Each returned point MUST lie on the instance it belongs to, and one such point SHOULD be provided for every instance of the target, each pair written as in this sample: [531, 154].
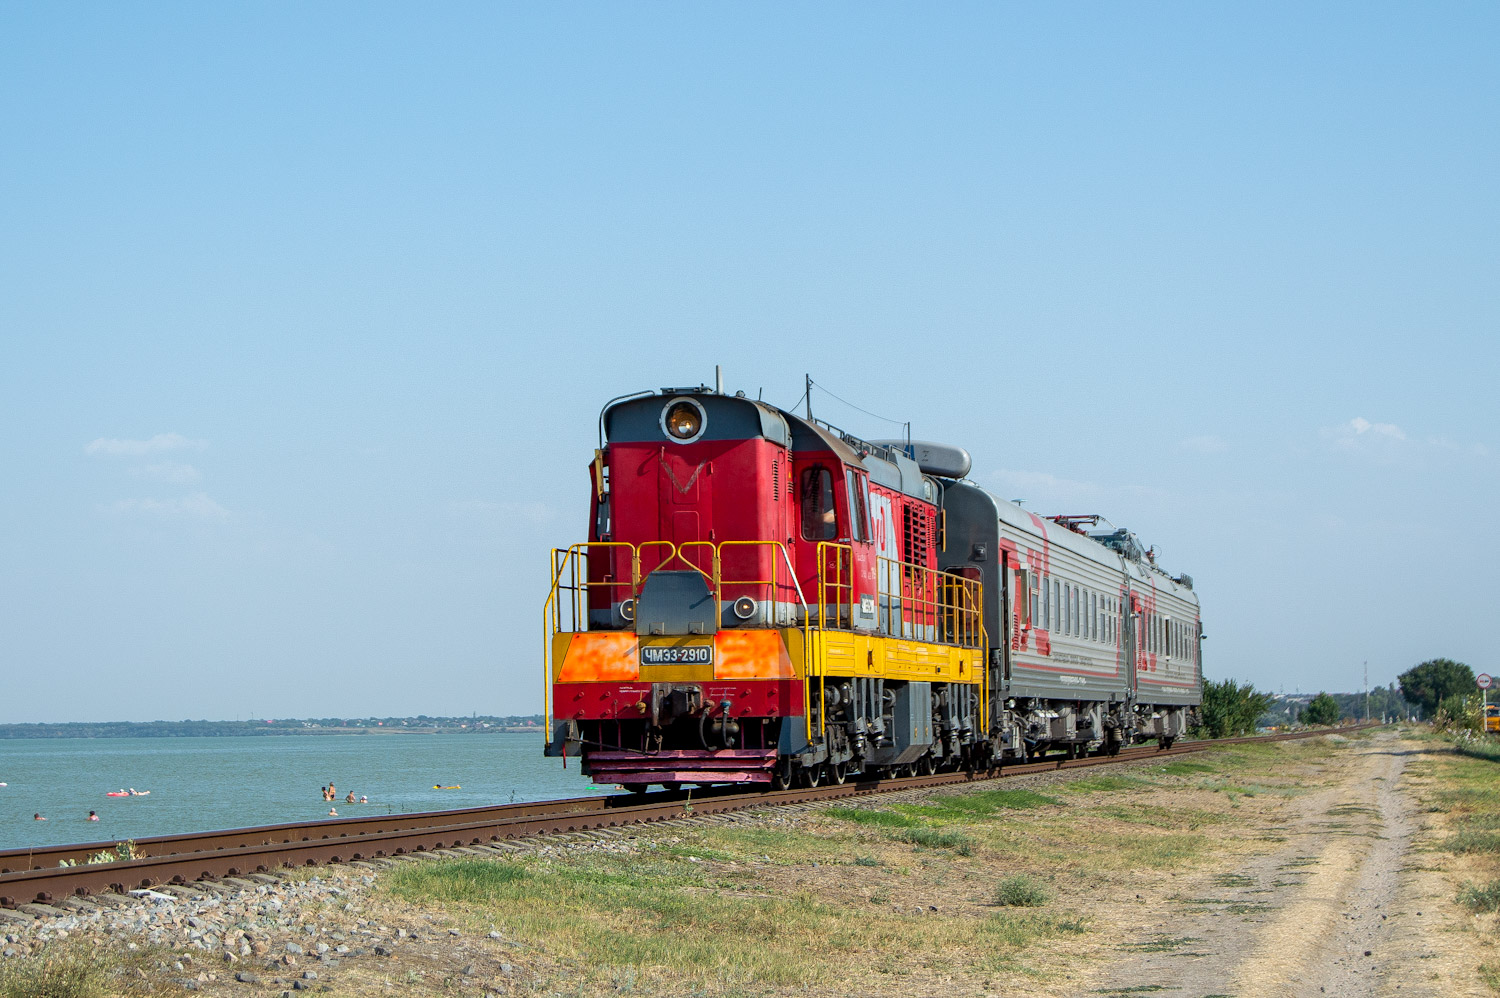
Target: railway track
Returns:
[31, 876]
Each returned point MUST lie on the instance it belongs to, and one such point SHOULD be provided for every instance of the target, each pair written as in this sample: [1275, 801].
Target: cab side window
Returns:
[819, 520]
[857, 488]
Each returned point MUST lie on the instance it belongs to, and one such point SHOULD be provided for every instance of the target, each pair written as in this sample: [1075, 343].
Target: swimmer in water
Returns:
[363, 799]
[38, 817]
[333, 812]
[93, 816]
[350, 798]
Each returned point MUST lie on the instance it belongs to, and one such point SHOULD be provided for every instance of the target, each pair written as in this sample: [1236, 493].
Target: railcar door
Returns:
[1130, 618]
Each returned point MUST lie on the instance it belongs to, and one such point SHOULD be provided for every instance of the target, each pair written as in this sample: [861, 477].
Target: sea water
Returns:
[198, 784]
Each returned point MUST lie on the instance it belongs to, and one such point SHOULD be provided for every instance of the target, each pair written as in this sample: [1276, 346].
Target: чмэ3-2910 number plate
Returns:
[677, 655]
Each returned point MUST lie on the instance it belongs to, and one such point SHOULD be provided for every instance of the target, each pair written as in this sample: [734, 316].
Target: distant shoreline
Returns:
[268, 728]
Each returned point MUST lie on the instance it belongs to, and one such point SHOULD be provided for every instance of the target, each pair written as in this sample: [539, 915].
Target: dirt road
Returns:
[1336, 901]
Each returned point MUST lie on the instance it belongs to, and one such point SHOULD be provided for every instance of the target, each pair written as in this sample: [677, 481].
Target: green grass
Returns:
[1186, 767]
[1488, 751]
[938, 838]
[1468, 840]
[642, 913]
[1481, 898]
[872, 816]
[1017, 929]
[1106, 783]
[1022, 891]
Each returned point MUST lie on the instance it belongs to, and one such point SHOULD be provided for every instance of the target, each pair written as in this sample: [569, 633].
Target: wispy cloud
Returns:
[1206, 444]
[159, 444]
[194, 506]
[168, 471]
[1361, 434]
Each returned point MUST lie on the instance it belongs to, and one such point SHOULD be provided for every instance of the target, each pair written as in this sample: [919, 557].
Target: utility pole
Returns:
[1367, 690]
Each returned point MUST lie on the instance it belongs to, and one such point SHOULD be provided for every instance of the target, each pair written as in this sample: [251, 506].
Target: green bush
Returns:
[1322, 710]
[1459, 713]
[1021, 891]
[1229, 709]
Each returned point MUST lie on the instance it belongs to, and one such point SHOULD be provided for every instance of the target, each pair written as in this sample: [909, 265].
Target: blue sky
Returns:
[307, 313]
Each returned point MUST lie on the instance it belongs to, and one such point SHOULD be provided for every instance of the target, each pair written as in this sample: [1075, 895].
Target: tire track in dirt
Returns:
[1321, 913]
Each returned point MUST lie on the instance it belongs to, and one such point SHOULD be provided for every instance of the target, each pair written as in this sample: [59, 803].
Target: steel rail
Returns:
[212, 856]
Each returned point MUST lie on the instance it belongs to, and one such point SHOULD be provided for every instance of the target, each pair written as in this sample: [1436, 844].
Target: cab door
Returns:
[820, 564]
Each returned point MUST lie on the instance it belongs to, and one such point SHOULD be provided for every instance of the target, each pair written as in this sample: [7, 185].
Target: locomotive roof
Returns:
[732, 417]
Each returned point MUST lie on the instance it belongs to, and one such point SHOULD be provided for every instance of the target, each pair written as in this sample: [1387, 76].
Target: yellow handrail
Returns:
[565, 559]
[915, 597]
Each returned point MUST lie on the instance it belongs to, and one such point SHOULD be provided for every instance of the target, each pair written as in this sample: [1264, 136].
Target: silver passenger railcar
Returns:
[1092, 645]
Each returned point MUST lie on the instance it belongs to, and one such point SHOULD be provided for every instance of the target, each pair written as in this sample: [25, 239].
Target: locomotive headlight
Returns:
[682, 420]
[744, 607]
[627, 609]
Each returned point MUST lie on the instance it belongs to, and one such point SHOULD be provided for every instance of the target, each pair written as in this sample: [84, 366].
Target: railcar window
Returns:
[818, 516]
[1057, 610]
[1077, 621]
[1067, 622]
[1093, 617]
[1031, 598]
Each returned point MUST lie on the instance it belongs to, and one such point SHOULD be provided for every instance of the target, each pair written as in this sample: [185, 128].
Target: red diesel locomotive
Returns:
[763, 599]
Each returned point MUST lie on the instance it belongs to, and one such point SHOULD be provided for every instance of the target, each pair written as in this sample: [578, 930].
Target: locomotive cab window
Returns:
[857, 487]
[819, 519]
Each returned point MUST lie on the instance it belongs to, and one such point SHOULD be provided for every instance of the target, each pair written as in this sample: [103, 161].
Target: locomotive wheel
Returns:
[838, 772]
[781, 775]
[811, 776]
[924, 765]
[1165, 743]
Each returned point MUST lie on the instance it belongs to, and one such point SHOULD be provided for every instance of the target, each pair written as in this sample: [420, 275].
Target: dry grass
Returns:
[78, 970]
[896, 898]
